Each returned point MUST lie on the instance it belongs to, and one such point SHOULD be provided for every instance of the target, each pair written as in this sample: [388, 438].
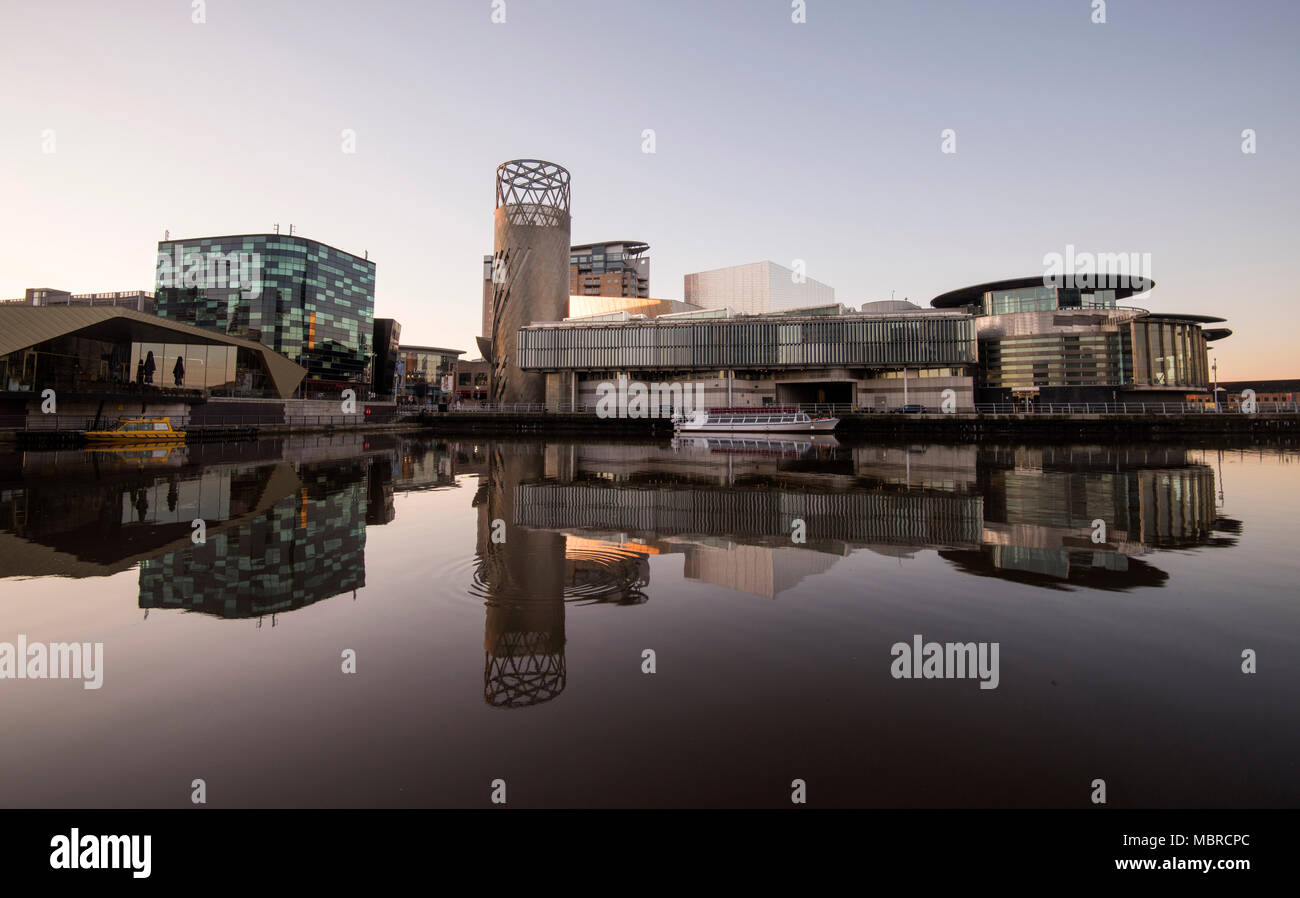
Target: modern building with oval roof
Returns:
[1061, 343]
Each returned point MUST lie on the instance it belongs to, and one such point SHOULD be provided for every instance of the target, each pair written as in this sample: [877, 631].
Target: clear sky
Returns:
[817, 141]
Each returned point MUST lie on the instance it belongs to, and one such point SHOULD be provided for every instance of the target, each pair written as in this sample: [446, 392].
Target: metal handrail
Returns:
[984, 408]
[74, 423]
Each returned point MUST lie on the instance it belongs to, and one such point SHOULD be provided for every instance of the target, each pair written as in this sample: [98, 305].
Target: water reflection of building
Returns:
[285, 519]
[308, 546]
[1044, 504]
[730, 508]
[521, 572]
[97, 517]
[1011, 513]
[526, 575]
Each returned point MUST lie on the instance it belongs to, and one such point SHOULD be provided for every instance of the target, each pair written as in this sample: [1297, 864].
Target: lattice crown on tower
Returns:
[536, 191]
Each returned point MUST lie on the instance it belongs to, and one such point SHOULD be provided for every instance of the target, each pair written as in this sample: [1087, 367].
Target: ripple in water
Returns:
[593, 572]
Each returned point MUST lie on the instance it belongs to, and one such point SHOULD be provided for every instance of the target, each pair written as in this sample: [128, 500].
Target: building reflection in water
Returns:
[526, 574]
[1021, 514]
[286, 521]
[1042, 504]
[307, 546]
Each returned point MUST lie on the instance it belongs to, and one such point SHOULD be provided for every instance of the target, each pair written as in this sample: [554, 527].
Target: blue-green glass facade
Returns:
[308, 301]
[1045, 299]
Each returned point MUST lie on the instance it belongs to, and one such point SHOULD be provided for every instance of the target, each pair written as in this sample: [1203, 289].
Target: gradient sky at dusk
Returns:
[774, 141]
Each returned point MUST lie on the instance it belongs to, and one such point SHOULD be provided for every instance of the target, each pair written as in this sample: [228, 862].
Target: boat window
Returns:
[160, 426]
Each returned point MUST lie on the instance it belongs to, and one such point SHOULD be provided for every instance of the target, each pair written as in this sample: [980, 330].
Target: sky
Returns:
[819, 141]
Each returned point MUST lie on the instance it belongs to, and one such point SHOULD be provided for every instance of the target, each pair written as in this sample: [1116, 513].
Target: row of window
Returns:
[749, 343]
[1146, 352]
[1045, 299]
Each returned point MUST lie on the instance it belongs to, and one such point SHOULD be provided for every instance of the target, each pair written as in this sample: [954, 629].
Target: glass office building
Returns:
[1142, 353]
[306, 300]
[1069, 344]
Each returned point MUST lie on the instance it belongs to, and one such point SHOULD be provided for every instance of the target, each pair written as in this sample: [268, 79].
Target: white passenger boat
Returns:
[773, 419]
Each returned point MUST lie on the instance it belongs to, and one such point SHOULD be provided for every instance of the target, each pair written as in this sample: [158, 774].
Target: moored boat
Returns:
[138, 431]
[773, 419]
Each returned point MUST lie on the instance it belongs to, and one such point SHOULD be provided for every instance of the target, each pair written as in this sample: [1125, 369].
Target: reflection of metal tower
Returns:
[530, 267]
[523, 577]
[524, 648]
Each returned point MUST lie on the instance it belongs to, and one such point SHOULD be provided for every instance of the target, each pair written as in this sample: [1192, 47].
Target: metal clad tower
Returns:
[530, 267]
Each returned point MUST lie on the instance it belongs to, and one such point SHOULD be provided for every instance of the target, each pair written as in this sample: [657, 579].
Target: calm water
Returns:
[522, 659]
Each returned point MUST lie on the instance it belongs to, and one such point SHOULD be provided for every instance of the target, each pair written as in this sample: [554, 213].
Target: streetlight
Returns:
[1215, 369]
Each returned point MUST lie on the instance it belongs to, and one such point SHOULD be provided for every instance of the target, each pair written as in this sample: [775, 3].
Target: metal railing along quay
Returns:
[840, 409]
[80, 423]
[76, 423]
[1130, 408]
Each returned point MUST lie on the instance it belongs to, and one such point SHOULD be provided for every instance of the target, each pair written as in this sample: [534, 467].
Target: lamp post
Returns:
[1215, 368]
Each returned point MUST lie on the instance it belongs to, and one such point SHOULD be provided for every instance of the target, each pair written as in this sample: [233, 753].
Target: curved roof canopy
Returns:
[969, 295]
[23, 326]
[1187, 316]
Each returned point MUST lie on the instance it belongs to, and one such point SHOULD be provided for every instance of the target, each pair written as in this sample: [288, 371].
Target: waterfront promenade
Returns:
[1120, 421]
[1140, 421]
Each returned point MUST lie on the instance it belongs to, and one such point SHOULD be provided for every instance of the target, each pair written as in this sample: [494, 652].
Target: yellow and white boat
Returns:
[138, 431]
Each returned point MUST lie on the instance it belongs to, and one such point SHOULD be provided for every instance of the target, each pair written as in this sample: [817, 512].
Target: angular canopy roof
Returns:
[23, 326]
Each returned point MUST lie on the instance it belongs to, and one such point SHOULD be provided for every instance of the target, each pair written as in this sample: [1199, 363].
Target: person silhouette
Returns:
[178, 371]
[150, 366]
